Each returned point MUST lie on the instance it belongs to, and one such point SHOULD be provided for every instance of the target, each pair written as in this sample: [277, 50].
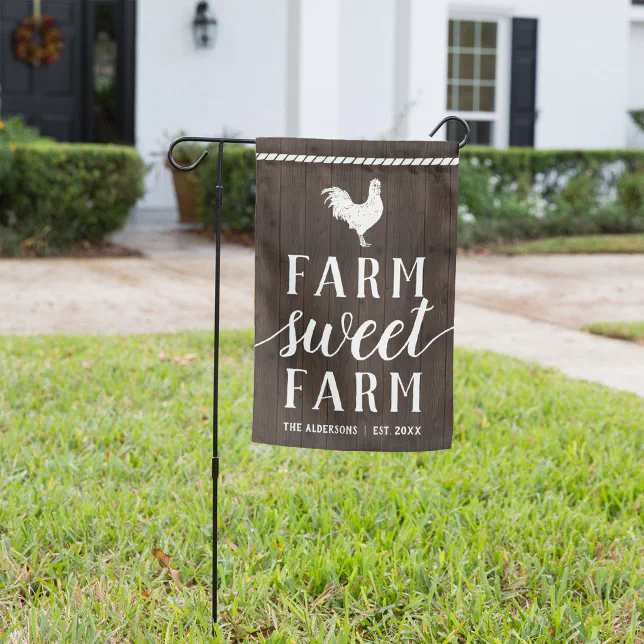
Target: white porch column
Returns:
[427, 66]
[319, 69]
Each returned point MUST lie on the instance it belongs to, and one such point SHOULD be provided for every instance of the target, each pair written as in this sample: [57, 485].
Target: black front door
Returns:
[88, 95]
[48, 97]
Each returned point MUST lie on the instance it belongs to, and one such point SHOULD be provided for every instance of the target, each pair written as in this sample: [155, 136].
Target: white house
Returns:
[551, 73]
[548, 73]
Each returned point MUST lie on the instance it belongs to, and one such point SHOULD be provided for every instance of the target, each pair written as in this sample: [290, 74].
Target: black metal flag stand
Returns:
[219, 201]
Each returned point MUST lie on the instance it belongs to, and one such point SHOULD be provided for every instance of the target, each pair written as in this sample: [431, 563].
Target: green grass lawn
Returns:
[569, 245]
[632, 331]
[530, 529]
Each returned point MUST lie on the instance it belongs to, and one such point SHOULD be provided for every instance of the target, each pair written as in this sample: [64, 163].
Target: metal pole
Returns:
[215, 393]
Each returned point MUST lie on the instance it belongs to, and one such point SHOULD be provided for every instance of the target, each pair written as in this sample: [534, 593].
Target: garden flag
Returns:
[354, 294]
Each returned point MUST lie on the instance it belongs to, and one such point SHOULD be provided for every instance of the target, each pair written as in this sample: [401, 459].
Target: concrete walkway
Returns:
[528, 307]
[161, 241]
[613, 363]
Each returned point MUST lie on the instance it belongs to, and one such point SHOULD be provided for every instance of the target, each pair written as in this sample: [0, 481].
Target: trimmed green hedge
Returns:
[53, 195]
[520, 193]
[504, 195]
[239, 187]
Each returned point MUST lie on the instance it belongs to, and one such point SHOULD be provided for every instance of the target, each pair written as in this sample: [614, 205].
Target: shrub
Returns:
[238, 211]
[630, 189]
[504, 195]
[53, 195]
[14, 130]
[638, 118]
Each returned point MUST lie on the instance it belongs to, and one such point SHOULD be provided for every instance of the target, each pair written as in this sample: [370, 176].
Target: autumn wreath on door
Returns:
[38, 41]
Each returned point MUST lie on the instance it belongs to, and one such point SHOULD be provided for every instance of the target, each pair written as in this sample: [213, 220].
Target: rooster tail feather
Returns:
[339, 201]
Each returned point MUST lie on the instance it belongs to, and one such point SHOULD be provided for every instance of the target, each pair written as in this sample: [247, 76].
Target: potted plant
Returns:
[185, 183]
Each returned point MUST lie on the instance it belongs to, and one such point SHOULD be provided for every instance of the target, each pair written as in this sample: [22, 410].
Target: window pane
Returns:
[471, 66]
[486, 99]
[467, 34]
[465, 98]
[488, 66]
[488, 34]
[466, 67]
[106, 126]
[451, 100]
[481, 132]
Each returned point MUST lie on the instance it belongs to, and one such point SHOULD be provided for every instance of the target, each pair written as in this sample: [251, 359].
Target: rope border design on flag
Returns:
[312, 158]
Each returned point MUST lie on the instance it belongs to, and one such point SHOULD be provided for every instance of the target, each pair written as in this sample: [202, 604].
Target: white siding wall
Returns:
[362, 63]
[356, 66]
[582, 67]
[582, 72]
[636, 85]
[239, 86]
[366, 74]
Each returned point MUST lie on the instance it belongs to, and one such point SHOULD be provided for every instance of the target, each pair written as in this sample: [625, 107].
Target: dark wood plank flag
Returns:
[354, 294]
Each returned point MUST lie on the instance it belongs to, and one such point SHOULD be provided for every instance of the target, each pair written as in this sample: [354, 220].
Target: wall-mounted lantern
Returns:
[204, 26]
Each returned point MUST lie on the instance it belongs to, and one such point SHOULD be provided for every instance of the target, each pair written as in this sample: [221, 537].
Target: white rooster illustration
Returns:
[359, 216]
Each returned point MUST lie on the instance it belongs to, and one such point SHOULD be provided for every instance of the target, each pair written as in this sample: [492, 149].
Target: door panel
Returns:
[71, 100]
[48, 97]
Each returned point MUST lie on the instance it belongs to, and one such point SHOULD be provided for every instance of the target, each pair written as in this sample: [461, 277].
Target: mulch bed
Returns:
[228, 236]
[82, 250]
[473, 251]
[248, 239]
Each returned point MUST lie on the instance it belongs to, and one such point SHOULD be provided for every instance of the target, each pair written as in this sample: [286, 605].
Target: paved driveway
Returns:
[528, 307]
[567, 290]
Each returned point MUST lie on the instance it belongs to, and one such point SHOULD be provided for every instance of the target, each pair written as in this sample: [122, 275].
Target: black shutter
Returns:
[524, 81]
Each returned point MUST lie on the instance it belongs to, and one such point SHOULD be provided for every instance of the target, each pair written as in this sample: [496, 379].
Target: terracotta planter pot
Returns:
[185, 187]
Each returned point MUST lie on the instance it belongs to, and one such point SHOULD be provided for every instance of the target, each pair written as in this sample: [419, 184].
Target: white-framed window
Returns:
[478, 76]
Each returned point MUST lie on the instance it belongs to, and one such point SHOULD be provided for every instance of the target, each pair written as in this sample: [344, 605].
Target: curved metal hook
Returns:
[185, 168]
[198, 139]
[463, 122]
